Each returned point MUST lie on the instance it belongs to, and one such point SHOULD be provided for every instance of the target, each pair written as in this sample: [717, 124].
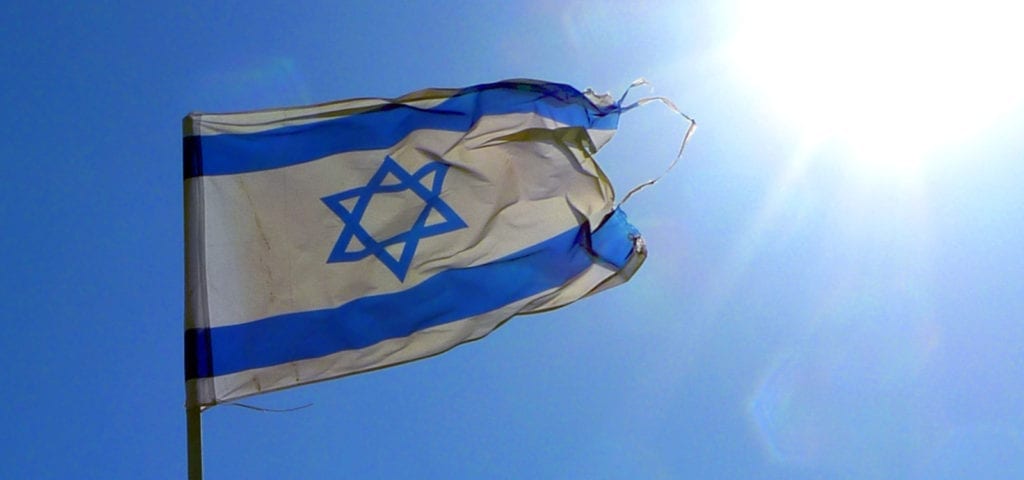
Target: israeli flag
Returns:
[333, 239]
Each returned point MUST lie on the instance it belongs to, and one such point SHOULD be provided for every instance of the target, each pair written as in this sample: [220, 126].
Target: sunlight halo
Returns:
[892, 82]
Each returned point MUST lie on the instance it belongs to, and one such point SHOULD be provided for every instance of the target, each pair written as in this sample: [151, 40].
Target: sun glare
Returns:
[892, 81]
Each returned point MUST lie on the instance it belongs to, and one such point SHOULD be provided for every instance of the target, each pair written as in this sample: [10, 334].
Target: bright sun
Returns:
[890, 80]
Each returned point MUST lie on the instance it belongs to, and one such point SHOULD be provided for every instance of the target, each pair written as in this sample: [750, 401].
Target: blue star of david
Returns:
[352, 219]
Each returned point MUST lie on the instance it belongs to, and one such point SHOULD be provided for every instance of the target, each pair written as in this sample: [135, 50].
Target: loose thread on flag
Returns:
[682, 146]
[268, 410]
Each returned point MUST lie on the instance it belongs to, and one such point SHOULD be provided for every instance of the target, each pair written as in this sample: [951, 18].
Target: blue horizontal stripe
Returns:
[386, 125]
[449, 296]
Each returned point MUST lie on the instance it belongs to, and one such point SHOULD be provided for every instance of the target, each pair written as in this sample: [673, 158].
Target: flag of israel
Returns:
[333, 239]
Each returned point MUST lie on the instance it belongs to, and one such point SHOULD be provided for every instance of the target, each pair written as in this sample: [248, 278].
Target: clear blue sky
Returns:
[834, 288]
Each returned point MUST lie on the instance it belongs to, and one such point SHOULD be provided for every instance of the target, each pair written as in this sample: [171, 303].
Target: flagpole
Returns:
[195, 436]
